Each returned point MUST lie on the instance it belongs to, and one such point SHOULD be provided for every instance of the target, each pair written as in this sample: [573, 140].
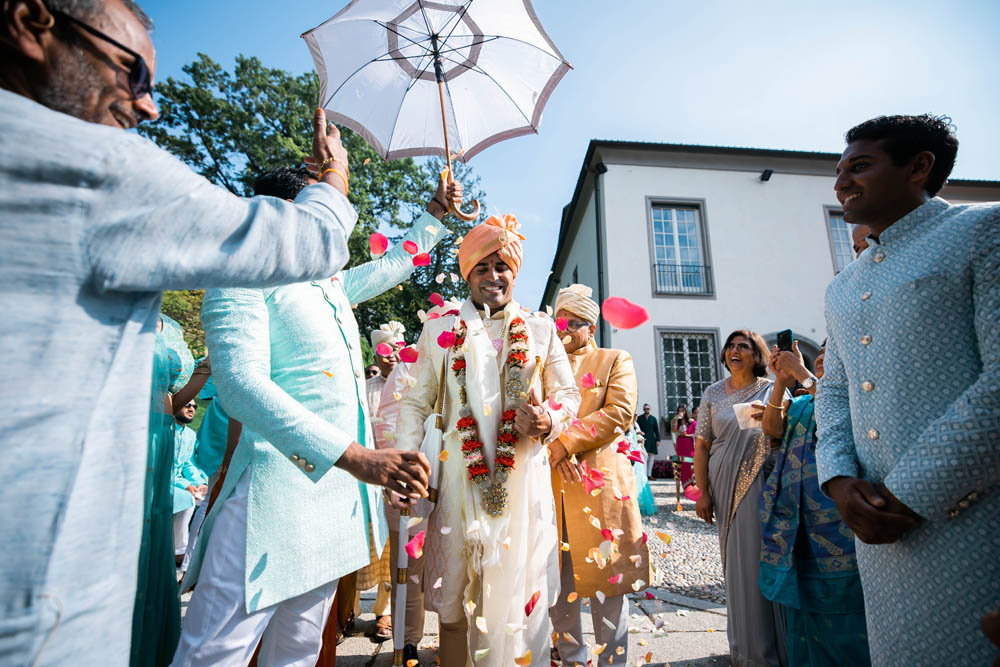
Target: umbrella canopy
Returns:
[379, 63]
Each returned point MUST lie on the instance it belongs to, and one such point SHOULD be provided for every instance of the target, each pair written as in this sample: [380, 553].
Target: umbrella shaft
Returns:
[444, 124]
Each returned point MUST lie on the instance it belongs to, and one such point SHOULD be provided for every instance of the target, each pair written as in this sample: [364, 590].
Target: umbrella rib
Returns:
[459, 15]
[402, 100]
[423, 13]
[399, 34]
[466, 46]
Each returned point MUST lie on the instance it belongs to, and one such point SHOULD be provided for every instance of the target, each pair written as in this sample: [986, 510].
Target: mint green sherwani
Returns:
[287, 364]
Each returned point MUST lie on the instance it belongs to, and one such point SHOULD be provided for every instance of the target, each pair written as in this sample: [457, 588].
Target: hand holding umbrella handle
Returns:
[453, 207]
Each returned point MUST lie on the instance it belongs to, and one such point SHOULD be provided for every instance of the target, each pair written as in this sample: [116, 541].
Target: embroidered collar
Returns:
[923, 213]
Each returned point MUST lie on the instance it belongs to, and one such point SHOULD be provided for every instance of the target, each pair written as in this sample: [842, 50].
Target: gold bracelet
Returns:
[776, 407]
[338, 173]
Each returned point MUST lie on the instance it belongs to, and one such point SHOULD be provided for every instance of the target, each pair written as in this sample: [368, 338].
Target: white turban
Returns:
[391, 334]
[576, 299]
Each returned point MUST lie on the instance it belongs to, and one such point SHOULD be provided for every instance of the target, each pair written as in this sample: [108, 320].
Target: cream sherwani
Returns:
[490, 567]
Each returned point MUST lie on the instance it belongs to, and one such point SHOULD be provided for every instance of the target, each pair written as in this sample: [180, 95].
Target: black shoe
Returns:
[410, 653]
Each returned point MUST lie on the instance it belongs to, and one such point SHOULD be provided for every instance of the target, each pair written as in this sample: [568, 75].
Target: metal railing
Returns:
[682, 278]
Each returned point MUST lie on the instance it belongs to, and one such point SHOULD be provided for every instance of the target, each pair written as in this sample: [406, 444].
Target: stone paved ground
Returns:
[684, 626]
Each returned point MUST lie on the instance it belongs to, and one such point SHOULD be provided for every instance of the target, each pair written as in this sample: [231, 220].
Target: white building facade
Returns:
[708, 240]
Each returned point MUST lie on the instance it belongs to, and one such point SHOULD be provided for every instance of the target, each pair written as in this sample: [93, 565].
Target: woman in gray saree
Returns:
[727, 463]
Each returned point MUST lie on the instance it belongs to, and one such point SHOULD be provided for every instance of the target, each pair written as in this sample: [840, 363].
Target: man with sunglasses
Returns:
[95, 224]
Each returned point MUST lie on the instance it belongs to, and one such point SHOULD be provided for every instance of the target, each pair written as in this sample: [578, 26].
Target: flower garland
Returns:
[468, 429]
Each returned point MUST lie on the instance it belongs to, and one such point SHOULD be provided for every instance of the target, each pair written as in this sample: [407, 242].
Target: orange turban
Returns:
[495, 235]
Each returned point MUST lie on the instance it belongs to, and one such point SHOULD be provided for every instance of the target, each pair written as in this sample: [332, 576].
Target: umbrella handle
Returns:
[468, 217]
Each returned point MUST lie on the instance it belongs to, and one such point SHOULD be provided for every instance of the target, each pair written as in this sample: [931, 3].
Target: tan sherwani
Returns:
[477, 566]
[607, 408]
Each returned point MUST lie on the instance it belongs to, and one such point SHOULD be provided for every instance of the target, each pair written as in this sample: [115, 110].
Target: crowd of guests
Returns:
[858, 521]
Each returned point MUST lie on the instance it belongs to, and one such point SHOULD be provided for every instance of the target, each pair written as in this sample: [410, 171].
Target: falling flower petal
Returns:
[454, 277]
[595, 522]
[437, 584]
[600, 596]
[616, 579]
[555, 406]
[638, 585]
[413, 662]
[592, 479]
[415, 547]
[567, 637]
[327, 373]
[396, 395]
[597, 650]
[572, 597]
[644, 538]
[564, 546]
[470, 607]
[607, 534]
[445, 530]
[608, 623]
[408, 354]
[481, 653]
[439, 278]
[443, 456]
[623, 447]
[378, 244]
[587, 381]
[431, 229]
[524, 659]
[506, 543]
[410, 247]
[622, 313]
[530, 606]
[421, 315]
[566, 340]
[487, 410]
[649, 657]
[562, 323]
[635, 457]
[365, 163]
[423, 259]
[433, 316]
[446, 339]
[514, 628]
[650, 596]
[383, 349]
[481, 624]
[437, 299]
[663, 536]
[414, 520]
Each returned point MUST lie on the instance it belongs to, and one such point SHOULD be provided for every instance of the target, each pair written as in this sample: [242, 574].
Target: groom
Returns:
[491, 569]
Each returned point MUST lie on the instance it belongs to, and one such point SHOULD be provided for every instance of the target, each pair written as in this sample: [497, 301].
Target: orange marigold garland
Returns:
[494, 496]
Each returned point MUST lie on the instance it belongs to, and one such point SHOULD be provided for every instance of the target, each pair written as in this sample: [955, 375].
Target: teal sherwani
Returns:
[287, 364]
[911, 399]
[185, 472]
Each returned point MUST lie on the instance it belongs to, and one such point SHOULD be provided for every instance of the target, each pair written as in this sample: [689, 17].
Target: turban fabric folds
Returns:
[391, 334]
[576, 299]
[495, 235]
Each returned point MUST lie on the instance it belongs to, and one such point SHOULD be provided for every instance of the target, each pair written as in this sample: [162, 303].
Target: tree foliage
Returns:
[233, 126]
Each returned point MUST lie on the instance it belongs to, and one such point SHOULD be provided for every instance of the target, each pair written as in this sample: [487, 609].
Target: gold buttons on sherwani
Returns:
[878, 256]
[865, 296]
[866, 339]
[309, 467]
[294, 458]
[867, 385]
[872, 434]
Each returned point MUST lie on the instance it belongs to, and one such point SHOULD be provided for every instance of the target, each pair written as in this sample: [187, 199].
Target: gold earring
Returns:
[42, 26]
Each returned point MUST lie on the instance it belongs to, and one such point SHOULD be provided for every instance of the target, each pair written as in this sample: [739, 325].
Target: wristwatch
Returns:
[808, 382]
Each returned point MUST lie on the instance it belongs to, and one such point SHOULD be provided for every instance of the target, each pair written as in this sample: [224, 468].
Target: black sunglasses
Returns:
[140, 82]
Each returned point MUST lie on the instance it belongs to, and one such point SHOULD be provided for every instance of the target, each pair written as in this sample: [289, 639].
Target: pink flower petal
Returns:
[650, 596]
[622, 313]
[378, 244]
[587, 381]
[692, 493]
[644, 538]
[554, 405]
[623, 447]
[415, 547]
[433, 316]
[446, 339]
[383, 349]
[607, 534]
[530, 606]
[616, 579]
[437, 299]
[635, 457]
[408, 354]
[453, 311]
[562, 323]
[423, 259]
[411, 247]
[593, 431]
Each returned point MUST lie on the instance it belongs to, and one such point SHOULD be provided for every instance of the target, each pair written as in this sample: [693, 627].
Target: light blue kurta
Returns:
[911, 399]
[185, 472]
[287, 362]
[94, 223]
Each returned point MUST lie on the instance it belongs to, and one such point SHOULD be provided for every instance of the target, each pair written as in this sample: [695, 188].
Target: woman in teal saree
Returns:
[807, 560]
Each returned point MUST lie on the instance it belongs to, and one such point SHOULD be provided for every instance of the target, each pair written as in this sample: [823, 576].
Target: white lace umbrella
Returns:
[486, 65]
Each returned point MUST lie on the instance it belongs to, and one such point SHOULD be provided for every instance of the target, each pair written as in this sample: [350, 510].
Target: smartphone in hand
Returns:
[785, 339]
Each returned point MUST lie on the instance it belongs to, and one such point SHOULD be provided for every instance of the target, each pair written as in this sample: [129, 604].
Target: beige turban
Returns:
[495, 235]
[391, 334]
[576, 299]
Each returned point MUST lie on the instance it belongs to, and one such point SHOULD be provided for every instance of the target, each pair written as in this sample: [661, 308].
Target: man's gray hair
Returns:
[88, 9]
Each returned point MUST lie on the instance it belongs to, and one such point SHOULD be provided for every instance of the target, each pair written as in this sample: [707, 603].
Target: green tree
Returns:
[233, 126]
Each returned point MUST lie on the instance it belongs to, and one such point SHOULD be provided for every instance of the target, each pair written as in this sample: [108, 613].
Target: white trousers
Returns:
[217, 629]
[182, 520]
[566, 619]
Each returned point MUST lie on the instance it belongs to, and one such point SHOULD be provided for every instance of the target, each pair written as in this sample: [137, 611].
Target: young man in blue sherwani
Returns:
[295, 512]
[909, 408]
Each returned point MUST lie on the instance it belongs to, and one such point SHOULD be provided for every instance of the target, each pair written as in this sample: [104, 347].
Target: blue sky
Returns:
[787, 75]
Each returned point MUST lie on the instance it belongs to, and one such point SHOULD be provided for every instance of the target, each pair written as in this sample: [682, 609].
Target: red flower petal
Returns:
[530, 606]
[607, 534]
[423, 259]
[433, 316]
[411, 247]
[622, 313]
[562, 323]
[644, 538]
[446, 339]
[616, 579]
[378, 244]
[587, 381]
[650, 596]
[383, 349]
[554, 405]
[437, 299]
[623, 447]
[408, 354]
[415, 547]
